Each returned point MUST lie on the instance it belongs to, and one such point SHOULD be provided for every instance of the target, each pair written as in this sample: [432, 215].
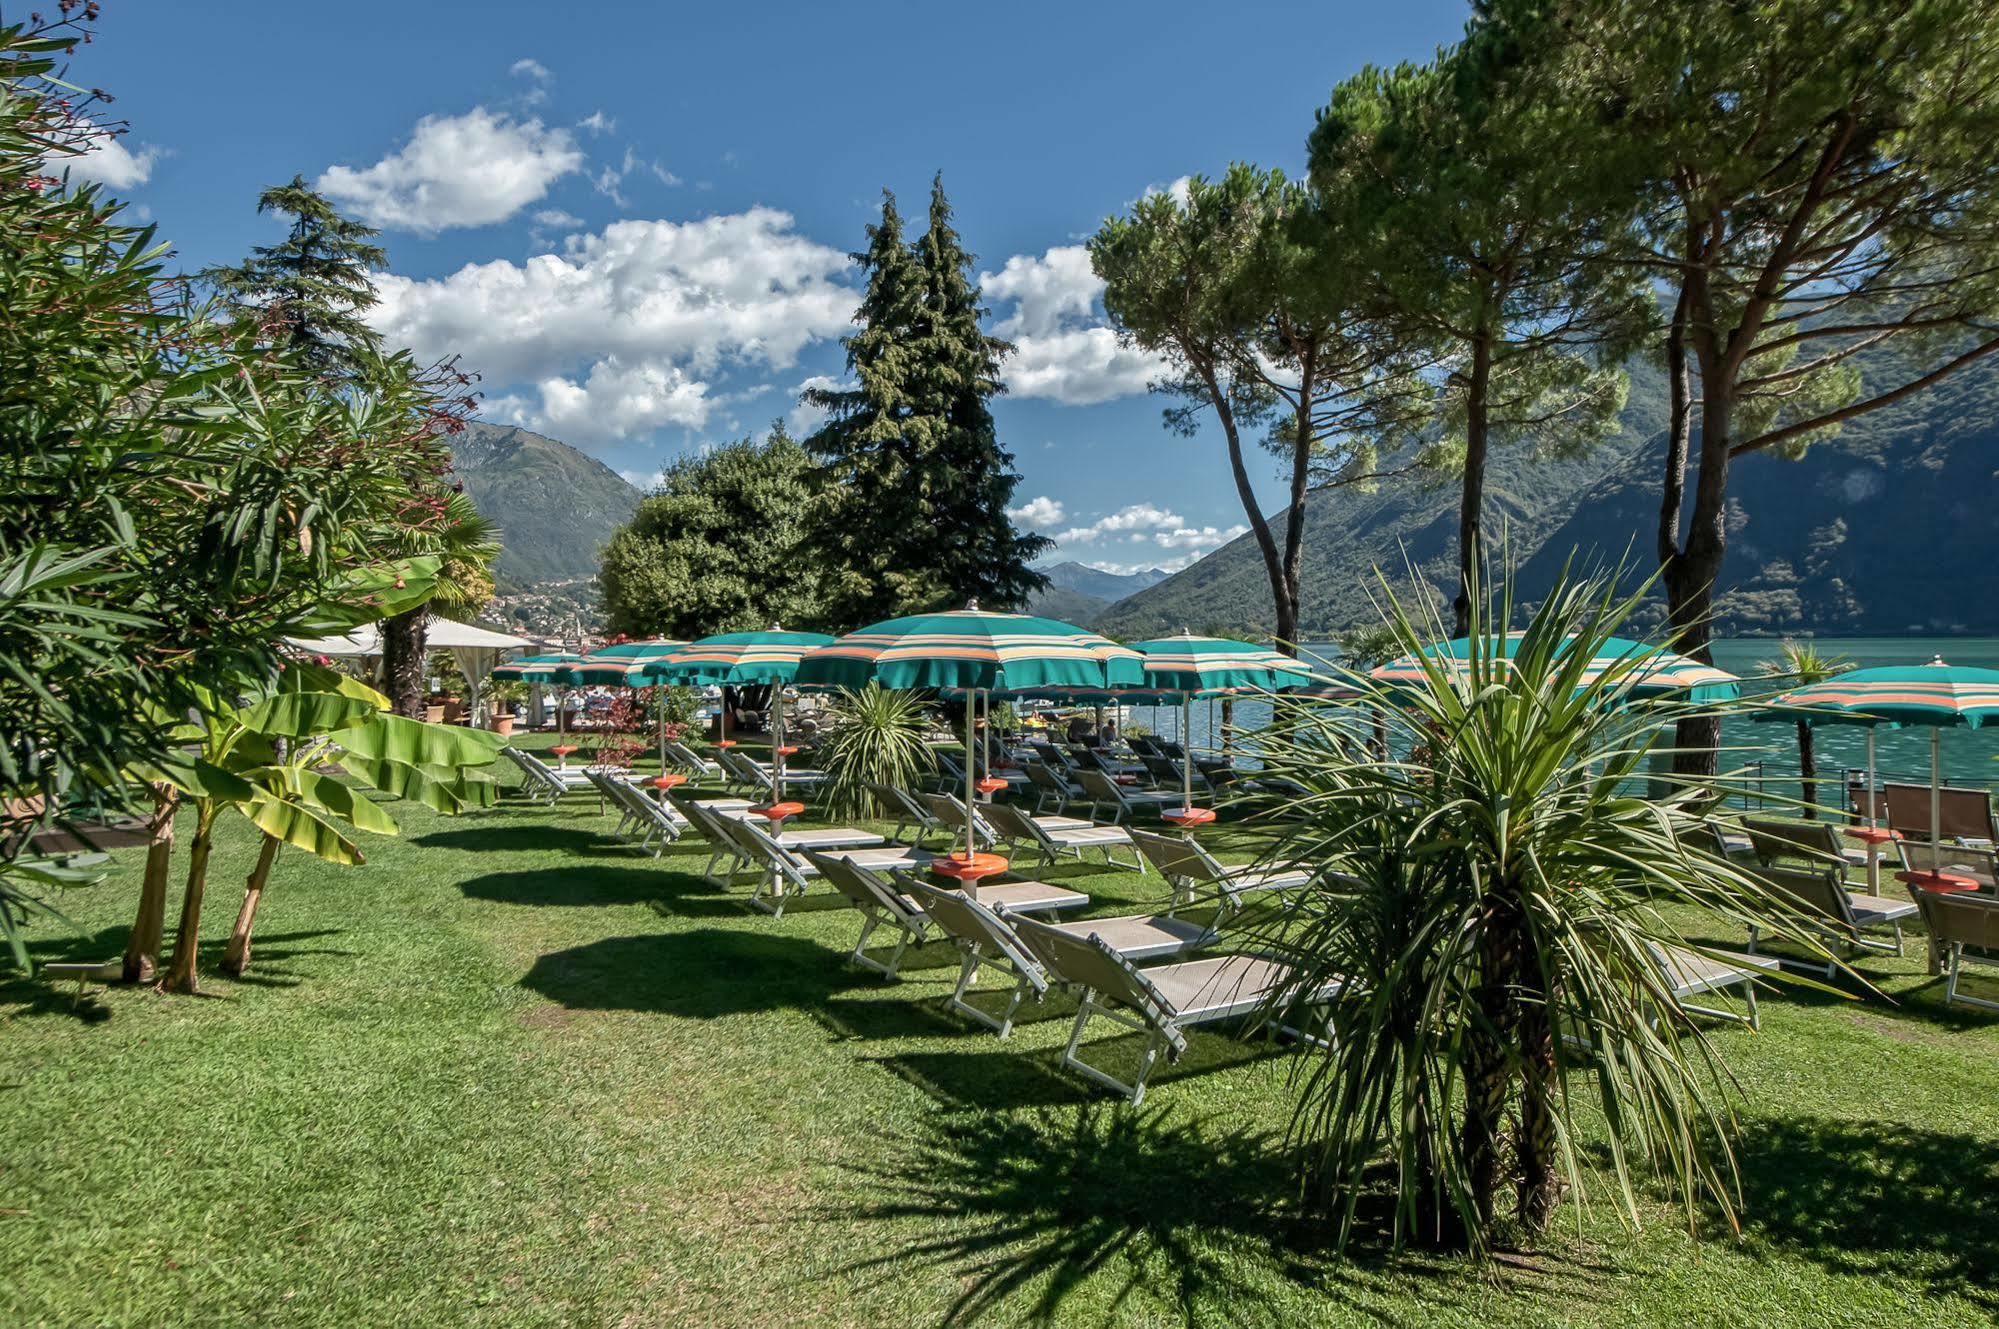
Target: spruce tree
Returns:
[916, 513]
[309, 291]
[956, 373]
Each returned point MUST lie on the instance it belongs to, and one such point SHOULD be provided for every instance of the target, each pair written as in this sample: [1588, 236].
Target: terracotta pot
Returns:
[433, 715]
[503, 724]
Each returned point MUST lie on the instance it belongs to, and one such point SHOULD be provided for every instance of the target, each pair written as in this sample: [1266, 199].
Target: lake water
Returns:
[1970, 756]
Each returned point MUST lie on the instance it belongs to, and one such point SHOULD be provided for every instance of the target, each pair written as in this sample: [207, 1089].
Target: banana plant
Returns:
[276, 761]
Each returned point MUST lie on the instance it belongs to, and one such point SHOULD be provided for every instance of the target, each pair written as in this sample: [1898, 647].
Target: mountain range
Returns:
[555, 506]
[1079, 593]
[1887, 528]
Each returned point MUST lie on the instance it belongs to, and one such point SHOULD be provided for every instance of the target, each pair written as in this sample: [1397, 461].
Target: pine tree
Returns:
[957, 372]
[308, 292]
[916, 517]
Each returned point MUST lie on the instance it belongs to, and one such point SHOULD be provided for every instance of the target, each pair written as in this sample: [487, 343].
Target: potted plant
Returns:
[501, 698]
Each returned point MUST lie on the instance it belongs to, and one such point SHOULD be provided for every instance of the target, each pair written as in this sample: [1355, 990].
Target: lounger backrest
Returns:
[1965, 860]
[1087, 962]
[1162, 770]
[1953, 916]
[1174, 856]
[1821, 892]
[1038, 773]
[1967, 814]
[757, 843]
[1908, 808]
[713, 826]
[1778, 841]
[1011, 823]
[973, 923]
[1099, 786]
[945, 809]
[861, 887]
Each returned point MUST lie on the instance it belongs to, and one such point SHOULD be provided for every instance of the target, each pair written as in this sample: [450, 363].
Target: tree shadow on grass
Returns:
[1869, 1199]
[703, 974]
[515, 839]
[594, 885]
[1152, 1217]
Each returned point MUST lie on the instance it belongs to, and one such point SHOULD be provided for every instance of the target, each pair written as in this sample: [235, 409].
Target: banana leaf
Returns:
[299, 826]
[323, 792]
[414, 743]
[303, 714]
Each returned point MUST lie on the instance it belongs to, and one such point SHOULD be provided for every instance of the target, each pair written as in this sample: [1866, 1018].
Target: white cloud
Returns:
[556, 219]
[620, 333]
[1177, 189]
[537, 74]
[804, 417]
[1148, 526]
[597, 123]
[457, 170]
[610, 180]
[641, 480]
[1040, 513]
[1066, 351]
[108, 162]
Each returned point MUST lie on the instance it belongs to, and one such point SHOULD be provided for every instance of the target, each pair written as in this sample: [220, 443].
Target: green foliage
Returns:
[873, 735]
[719, 546]
[307, 293]
[1492, 898]
[911, 449]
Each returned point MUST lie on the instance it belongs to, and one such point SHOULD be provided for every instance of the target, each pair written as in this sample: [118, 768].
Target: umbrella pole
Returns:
[659, 704]
[777, 747]
[562, 723]
[971, 794]
[1872, 804]
[1186, 753]
[1936, 800]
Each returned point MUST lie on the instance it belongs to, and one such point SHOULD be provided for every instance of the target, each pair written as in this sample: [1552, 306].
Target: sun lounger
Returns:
[686, 759]
[760, 778]
[707, 815]
[542, 782]
[881, 904]
[780, 859]
[908, 811]
[1050, 783]
[1689, 973]
[1192, 871]
[1107, 795]
[1792, 842]
[1964, 815]
[646, 822]
[1165, 1001]
[1979, 864]
[985, 937]
[1964, 929]
[1059, 837]
[1844, 916]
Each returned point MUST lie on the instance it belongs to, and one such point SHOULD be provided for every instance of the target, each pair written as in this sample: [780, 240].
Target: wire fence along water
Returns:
[1970, 756]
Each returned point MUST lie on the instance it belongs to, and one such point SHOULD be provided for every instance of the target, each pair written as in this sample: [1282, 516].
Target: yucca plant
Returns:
[1800, 664]
[1492, 894]
[875, 736]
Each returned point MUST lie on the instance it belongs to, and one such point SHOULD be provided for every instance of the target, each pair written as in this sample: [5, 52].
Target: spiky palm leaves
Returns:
[876, 738]
[1496, 893]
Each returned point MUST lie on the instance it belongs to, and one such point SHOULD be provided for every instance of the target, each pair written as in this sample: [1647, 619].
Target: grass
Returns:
[510, 1073]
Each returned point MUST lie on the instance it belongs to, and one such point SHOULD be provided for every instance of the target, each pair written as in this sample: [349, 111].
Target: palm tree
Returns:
[468, 543]
[1493, 911]
[1800, 664]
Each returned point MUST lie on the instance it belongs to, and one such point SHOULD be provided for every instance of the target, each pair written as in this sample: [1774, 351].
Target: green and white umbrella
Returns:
[1188, 665]
[1936, 695]
[975, 650]
[1644, 670]
[742, 659]
[559, 668]
[620, 664]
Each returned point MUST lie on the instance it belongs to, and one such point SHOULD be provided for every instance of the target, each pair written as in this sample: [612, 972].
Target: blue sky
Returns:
[632, 219]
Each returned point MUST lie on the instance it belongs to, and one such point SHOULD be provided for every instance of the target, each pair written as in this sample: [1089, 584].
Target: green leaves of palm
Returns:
[1496, 894]
[876, 738]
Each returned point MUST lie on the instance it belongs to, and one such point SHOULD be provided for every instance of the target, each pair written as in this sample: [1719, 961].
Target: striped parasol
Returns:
[742, 659]
[1936, 695]
[1648, 671]
[972, 649]
[621, 664]
[551, 668]
[1188, 665]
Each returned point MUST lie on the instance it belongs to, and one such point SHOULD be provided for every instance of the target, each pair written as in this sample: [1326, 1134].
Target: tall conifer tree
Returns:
[917, 514]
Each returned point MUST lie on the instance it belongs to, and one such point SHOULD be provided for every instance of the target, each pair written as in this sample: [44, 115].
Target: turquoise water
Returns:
[1969, 756]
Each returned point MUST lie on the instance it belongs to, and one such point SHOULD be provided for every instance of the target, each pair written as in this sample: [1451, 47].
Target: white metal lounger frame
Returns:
[879, 905]
[714, 829]
[1188, 865]
[540, 781]
[1823, 895]
[1015, 827]
[974, 928]
[1102, 791]
[688, 760]
[1091, 965]
[908, 811]
[656, 824]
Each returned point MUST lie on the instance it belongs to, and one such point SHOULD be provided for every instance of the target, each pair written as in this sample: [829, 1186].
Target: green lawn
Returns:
[511, 1073]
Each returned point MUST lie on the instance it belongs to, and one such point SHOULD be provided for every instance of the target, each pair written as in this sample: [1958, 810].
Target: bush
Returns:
[875, 736]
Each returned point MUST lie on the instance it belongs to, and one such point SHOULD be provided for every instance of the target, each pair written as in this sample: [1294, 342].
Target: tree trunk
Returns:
[1488, 1084]
[181, 968]
[1693, 573]
[236, 958]
[1471, 503]
[1808, 770]
[1294, 519]
[1284, 600]
[142, 948]
[403, 645]
[1537, 1144]
[1679, 433]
